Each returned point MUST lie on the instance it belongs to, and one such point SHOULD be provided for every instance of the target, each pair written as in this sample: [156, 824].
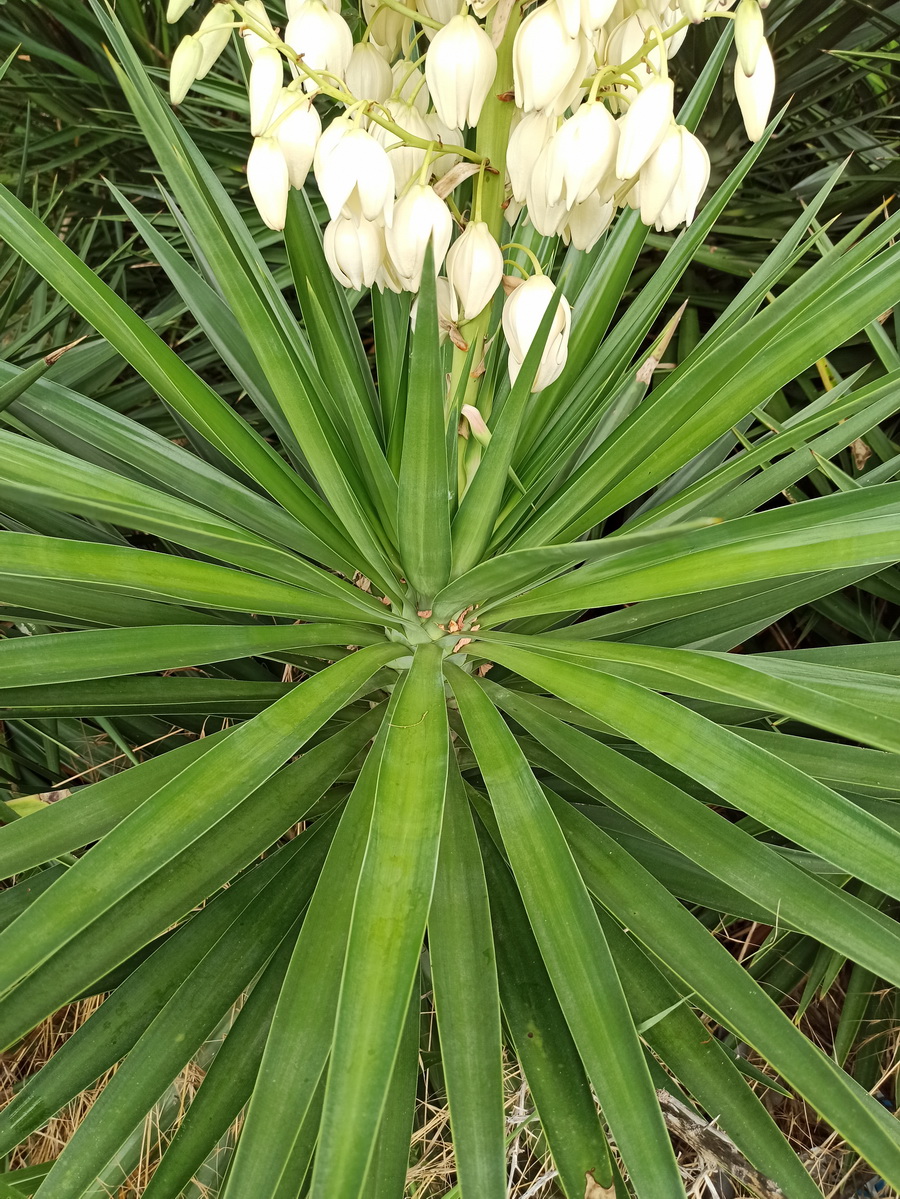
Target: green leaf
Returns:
[572, 945]
[423, 515]
[389, 914]
[466, 1000]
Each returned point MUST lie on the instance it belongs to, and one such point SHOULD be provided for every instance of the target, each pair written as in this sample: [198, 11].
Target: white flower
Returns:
[297, 128]
[256, 18]
[354, 250]
[474, 268]
[695, 9]
[442, 11]
[409, 85]
[526, 142]
[629, 38]
[444, 308]
[386, 27]
[546, 60]
[522, 315]
[177, 9]
[546, 216]
[460, 67]
[749, 34]
[368, 75]
[266, 80]
[644, 125]
[322, 38]
[681, 206]
[214, 34]
[595, 14]
[755, 93]
[659, 175]
[186, 63]
[405, 161]
[442, 163]
[353, 170]
[582, 153]
[267, 174]
[420, 217]
[570, 16]
[588, 221]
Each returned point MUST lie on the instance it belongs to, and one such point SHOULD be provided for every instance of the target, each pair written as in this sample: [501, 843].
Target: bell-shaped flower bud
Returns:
[445, 136]
[474, 268]
[588, 221]
[522, 315]
[546, 216]
[644, 126]
[266, 81]
[595, 14]
[659, 175]
[256, 19]
[176, 10]
[354, 250]
[695, 10]
[186, 63]
[368, 75]
[749, 34]
[755, 93]
[582, 153]
[267, 175]
[405, 161]
[409, 85]
[322, 38]
[386, 27]
[460, 67]
[420, 217]
[527, 140]
[353, 171]
[297, 127]
[681, 206]
[214, 34]
[545, 59]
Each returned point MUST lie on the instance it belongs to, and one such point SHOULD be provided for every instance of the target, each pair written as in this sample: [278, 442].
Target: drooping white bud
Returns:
[582, 153]
[442, 163]
[633, 36]
[545, 59]
[659, 175]
[439, 10]
[368, 75]
[474, 268]
[546, 216]
[267, 175]
[694, 9]
[755, 93]
[386, 27]
[322, 38]
[445, 318]
[460, 67]
[255, 19]
[595, 14]
[420, 216]
[214, 34]
[266, 80]
[749, 34]
[522, 315]
[526, 142]
[644, 125]
[588, 221]
[176, 10]
[297, 128]
[353, 171]
[186, 63]
[681, 206]
[409, 85]
[405, 161]
[354, 250]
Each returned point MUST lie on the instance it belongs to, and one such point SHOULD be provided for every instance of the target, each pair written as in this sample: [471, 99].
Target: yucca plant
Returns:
[462, 623]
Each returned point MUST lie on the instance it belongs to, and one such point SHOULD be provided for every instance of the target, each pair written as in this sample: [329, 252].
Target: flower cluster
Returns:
[586, 125]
